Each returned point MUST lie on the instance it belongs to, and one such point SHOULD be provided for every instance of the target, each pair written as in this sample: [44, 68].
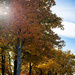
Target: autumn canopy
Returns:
[27, 31]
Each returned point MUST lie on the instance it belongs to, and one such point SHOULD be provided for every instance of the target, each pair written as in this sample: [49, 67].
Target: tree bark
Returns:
[18, 61]
[3, 64]
[55, 73]
[15, 65]
[30, 69]
[49, 73]
[19, 50]
[40, 72]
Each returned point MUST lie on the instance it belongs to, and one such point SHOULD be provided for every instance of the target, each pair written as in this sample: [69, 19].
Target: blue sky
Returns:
[66, 10]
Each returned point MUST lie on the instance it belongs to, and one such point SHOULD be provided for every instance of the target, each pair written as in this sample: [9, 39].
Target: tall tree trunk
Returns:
[19, 50]
[18, 61]
[30, 69]
[15, 65]
[3, 64]
[55, 73]
[49, 73]
[40, 72]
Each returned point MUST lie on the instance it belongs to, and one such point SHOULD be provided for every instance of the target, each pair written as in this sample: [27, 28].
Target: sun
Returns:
[4, 9]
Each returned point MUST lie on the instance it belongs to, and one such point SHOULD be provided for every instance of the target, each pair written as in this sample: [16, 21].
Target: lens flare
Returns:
[4, 9]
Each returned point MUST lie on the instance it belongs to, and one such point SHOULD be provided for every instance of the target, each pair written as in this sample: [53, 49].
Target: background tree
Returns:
[60, 63]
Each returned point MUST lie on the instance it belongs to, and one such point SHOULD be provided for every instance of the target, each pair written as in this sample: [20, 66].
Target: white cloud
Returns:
[65, 11]
[69, 30]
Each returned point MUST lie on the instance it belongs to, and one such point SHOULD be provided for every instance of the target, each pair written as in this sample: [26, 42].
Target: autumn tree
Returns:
[30, 24]
[60, 63]
[35, 58]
